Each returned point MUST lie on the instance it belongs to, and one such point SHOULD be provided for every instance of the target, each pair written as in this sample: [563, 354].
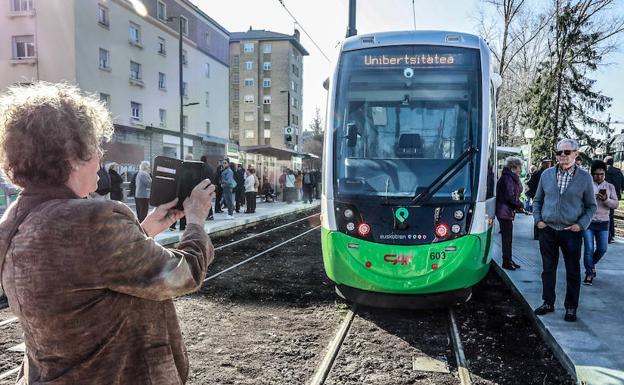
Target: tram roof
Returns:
[446, 38]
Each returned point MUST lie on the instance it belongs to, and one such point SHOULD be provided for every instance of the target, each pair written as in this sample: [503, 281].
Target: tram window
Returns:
[491, 166]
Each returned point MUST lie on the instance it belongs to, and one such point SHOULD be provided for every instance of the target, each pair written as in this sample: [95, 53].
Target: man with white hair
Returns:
[142, 193]
[562, 209]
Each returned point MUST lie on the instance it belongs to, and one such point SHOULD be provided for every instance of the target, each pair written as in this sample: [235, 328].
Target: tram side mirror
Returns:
[352, 133]
[326, 84]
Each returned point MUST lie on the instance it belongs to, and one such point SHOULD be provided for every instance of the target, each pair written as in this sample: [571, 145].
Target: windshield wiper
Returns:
[445, 176]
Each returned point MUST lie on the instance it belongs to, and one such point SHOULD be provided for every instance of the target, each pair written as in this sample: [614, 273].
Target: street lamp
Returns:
[287, 92]
[529, 135]
[181, 85]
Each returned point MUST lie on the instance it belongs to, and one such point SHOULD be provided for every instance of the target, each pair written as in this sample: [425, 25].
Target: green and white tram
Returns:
[409, 173]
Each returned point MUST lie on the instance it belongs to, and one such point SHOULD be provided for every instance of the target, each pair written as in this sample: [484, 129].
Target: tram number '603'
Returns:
[435, 255]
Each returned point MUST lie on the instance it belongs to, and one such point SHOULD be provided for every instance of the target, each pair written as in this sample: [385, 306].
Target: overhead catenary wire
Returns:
[304, 31]
[414, 12]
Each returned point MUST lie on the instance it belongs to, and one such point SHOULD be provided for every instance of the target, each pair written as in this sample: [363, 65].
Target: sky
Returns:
[326, 22]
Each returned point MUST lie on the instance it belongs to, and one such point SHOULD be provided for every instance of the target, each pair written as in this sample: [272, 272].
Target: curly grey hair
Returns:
[513, 162]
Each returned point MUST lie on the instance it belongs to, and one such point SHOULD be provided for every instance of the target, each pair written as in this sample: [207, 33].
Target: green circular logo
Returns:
[401, 214]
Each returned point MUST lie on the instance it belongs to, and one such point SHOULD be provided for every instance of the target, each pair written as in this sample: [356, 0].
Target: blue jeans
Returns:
[528, 204]
[227, 197]
[598, 231]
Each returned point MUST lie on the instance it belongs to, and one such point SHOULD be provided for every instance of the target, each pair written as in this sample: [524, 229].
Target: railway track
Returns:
[428, 363]
[12, 320]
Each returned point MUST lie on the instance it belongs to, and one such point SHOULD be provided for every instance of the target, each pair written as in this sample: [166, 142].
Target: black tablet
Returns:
[173, 178]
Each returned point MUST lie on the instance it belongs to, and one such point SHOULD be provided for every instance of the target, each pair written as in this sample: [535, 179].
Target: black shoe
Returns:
[588, 280]
[570, 315]
[545, 308]
[508, 266]
[515, 265]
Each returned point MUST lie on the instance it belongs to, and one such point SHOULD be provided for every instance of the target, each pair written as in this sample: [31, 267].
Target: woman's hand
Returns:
[197, 206]
[541, 225]
[160, 219]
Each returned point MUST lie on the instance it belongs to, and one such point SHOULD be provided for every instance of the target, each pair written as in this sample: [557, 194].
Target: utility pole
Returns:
[351, 31]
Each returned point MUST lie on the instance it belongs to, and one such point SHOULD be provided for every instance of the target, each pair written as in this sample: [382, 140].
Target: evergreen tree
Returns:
[562, 99]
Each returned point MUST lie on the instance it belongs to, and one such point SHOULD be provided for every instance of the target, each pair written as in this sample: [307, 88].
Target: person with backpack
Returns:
[308, 186]
[103, 184]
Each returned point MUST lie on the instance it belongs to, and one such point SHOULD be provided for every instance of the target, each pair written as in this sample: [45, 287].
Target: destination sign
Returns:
[411, 60]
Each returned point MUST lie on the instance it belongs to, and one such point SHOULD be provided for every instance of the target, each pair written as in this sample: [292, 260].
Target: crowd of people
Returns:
[573, 212]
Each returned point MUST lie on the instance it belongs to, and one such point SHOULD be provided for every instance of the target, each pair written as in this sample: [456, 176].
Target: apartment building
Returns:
[266, 82]
[131, 61]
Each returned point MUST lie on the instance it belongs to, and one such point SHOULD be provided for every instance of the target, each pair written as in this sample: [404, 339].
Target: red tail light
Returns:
[441, 230]
[363, 229]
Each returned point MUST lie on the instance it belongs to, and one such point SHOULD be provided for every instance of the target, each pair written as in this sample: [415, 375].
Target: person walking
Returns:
[141, 194]
[595, 238]
[508, 190]
[615, 177]
[218, 190]
[562, 209]
[299, 185]
[251, 188]
[239, 191]
[289, 190]
[532, 186]
[208, 173]
[308, 186]
[92, 289]
[528, 206]
[228, 184]
[116, 192]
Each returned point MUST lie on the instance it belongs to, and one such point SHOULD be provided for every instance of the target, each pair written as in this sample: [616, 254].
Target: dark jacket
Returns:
[93, 293]
[116, 193]
[615, 177]
[104, 182]
[508, 190]
[533, 182]
[239, 177]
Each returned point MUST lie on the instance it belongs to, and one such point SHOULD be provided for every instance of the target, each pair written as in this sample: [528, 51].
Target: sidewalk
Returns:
[264, 211]
[592, 349]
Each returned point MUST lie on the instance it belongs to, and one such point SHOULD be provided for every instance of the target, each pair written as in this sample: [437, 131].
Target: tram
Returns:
[410, 167]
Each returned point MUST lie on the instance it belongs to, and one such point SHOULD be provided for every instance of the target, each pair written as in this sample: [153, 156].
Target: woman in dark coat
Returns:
[508, 190]
[116, 180]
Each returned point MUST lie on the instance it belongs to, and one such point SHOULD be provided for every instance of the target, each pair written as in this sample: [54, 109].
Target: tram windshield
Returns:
[403, 115]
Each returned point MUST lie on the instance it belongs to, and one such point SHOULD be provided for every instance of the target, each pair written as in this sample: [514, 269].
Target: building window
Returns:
[267, 117]
[295, 70]
[102, 15]
[106, 99]
[249, 82]
[267, 66]
[135, 71]
[249, 134]
[249, 116]
[207, 99]
[162, 117]
[266, 100]
[267, 48]
[185, 121]
[184, 57]
[134, 33]
[161, 11]
[207, 128]
[207, 70]
[294, 102]
[162, 46]
[162, 81]
[249, 99]
[266, 83]
[185, 89]
[21, 5]
[184, 22]
[104, 59]
[267, 133]
[248, 65]
[23, 47]
[135, 109]
[294, 119]
[207, 39]
[248, 47]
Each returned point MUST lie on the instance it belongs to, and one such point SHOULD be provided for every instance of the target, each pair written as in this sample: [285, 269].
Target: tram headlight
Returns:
[441, 230]
[350, 226]
[455, 228]
[408, 73]
[348, 213]
[458, 214]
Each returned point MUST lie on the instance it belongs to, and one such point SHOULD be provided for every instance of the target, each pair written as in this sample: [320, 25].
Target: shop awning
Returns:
[267, 150]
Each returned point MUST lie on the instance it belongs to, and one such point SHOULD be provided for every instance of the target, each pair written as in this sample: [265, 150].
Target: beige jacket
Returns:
[93, 292]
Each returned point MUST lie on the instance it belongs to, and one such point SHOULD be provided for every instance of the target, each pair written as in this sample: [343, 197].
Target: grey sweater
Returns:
[577, 204]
